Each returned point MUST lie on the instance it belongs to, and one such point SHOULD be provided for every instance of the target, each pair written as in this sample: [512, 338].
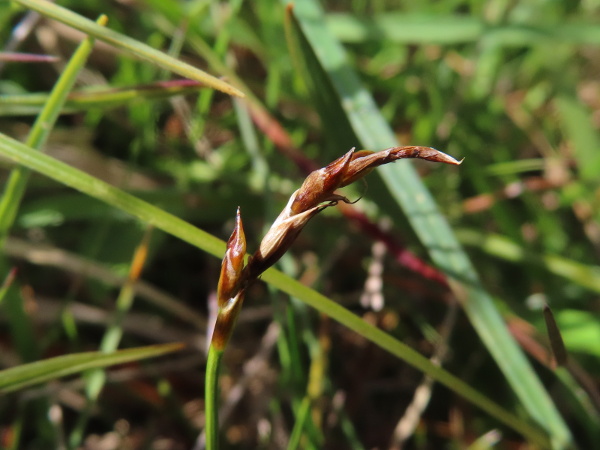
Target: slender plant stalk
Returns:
[211, 397]
[302, 416]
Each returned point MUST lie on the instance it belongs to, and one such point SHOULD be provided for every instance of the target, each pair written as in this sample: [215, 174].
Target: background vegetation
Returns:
[512, 87]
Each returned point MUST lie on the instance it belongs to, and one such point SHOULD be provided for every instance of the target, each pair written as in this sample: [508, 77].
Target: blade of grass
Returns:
[128, 44]
[162, 220]
[69, 176]
[26, 375]
[301, 418]
[427, 221]
[453, 29]
[83, 100]
[415, 28]
[17, 181]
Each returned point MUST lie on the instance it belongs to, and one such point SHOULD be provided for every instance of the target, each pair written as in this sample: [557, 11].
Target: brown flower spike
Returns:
[316, 193]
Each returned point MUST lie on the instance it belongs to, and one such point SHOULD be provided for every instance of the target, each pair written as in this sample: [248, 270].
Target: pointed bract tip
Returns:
[432, 154]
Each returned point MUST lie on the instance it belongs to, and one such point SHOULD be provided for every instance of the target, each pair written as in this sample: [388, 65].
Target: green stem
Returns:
[301, 418]
[211, 397]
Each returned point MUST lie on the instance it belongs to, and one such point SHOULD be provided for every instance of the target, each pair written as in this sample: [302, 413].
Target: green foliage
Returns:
[511, 87]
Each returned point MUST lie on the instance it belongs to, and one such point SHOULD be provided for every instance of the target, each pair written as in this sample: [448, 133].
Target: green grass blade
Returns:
[50, 369]
[429, 224]
[17, 181]
[454, 29]
[69, 176]
[87, 184]
[399, 349]
[406, 28]
[128, 44]
[85, 99]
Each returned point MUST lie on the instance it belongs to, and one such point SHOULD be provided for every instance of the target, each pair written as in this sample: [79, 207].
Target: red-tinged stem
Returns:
[401, 254]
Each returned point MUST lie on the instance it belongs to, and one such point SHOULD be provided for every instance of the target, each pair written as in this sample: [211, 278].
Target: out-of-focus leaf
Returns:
[580, 331]
[453, 29]
[585, 139]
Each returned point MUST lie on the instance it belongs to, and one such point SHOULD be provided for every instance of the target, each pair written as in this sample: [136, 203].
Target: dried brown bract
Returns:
[316, 193]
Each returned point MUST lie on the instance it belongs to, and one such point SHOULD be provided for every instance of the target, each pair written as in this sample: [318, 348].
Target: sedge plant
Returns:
[317, 193]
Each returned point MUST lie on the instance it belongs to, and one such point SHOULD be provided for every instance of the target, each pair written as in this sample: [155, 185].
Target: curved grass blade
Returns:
[50, 369]
[128, 44]
[428, 223]
[453, 29]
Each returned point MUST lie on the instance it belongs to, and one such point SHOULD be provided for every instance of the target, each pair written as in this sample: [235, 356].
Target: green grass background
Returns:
[510, 87]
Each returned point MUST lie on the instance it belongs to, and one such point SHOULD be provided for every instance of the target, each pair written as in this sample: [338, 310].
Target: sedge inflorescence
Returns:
[316, 193]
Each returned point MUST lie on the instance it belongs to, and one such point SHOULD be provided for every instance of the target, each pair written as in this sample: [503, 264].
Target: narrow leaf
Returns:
[50, 369]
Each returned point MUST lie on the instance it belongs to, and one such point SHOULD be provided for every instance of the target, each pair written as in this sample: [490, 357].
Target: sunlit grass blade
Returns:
[428, 223]
[69, 176]
[38, 372]
[452, 29]
[128, 44]
[85, 99]
[17, 181]
[399, 349]
[405, 28]
[93, 187]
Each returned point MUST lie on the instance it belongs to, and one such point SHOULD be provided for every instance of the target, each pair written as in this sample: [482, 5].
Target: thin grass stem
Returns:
[211, 397]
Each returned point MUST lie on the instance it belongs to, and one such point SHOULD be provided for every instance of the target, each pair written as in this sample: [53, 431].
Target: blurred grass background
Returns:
[511, 87]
